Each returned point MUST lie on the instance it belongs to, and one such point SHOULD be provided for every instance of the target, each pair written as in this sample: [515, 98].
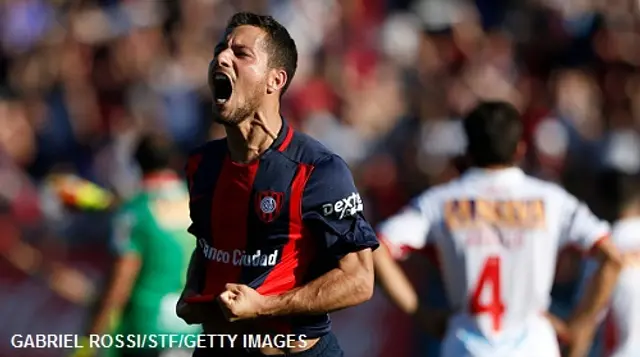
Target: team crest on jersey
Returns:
[268, 204]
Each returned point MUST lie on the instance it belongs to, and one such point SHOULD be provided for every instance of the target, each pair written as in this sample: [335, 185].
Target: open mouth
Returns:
[222, 88]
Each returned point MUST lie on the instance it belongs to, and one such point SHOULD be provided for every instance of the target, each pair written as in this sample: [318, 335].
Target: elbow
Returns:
[358, 269]
[364, 286]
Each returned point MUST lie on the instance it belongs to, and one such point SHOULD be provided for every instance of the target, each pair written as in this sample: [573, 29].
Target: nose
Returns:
[224, 59]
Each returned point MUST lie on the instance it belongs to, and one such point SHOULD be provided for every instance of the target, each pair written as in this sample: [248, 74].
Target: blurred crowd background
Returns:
[381, 82]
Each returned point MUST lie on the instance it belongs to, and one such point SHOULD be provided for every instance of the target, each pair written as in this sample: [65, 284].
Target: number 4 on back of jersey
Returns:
[489, 279]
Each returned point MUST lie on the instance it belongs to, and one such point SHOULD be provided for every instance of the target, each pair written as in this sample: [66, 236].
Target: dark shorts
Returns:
[327, 346]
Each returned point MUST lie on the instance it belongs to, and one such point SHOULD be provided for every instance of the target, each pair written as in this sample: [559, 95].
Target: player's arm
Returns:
[350, 284]
[191, 312]
[404, 232]
[123, 277]
[584, 230]
[393, 281]
[600, 286]
[397, 287]
[584, 320]
[333, 212]
[400, 234]
[188, 311]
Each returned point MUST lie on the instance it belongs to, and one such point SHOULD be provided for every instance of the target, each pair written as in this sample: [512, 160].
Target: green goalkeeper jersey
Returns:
[153, 225]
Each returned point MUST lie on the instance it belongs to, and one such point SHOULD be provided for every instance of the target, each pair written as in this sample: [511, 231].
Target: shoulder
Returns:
[545, 186]
[212, 151]
[127, 219]
[306, 150]
[435, 195]
[207, 148]
[329, 177]
[552, 192]
[326, 168]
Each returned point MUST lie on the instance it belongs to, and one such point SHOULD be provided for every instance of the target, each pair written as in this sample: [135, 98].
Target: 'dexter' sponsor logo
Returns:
[348, 206]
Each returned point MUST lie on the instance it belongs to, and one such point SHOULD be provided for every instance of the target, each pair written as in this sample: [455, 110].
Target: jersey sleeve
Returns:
[581, 228]
[125, 238]
[408, 230]
[333, 209]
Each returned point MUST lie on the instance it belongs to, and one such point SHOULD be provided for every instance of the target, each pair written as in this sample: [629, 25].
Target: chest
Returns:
[245, 206]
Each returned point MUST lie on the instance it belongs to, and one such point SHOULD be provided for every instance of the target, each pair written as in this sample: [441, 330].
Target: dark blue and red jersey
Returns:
[276, 223]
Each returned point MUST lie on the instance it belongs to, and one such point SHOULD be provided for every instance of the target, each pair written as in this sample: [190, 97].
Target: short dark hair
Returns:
[493, 130]
[154, 152]
[282, 49]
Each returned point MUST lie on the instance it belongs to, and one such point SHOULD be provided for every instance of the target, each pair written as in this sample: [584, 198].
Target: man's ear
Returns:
[277, 80]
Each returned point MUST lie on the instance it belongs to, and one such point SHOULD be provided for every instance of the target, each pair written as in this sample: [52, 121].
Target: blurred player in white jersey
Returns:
[622, 317]
[497, 233]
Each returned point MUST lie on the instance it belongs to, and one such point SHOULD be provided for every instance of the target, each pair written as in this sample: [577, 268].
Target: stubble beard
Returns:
[240, 114]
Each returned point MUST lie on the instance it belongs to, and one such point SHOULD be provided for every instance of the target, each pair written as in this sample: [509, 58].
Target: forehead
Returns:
[245, 35]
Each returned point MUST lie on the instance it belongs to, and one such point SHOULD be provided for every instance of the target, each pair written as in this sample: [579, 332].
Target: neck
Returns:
[253, 136]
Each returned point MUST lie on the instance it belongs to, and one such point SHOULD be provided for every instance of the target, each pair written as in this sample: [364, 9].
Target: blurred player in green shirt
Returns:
[154, 248]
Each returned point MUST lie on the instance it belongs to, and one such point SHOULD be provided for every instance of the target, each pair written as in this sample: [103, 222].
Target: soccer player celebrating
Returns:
[497, 233]
[278, 220]
[153, 249]
[622, 318]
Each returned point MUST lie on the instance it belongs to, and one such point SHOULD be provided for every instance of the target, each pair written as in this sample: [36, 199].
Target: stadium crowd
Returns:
[381, 82]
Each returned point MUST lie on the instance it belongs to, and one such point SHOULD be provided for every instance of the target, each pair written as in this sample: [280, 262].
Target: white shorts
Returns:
[536, 339]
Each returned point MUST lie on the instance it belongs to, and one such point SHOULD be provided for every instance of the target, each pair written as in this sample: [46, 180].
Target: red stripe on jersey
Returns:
[296, 253]
[595, 245]
[229, 212]
[576, 248]
[287, 139]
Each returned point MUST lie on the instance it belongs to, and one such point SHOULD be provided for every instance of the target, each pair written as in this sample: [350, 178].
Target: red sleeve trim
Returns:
[402, 251]
[599, 241]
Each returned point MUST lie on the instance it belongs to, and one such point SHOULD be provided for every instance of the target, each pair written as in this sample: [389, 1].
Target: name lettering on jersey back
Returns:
[238, 257]
[525, 214]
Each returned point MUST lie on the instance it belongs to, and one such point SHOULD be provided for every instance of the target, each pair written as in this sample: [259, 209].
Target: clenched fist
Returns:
[240, 302]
